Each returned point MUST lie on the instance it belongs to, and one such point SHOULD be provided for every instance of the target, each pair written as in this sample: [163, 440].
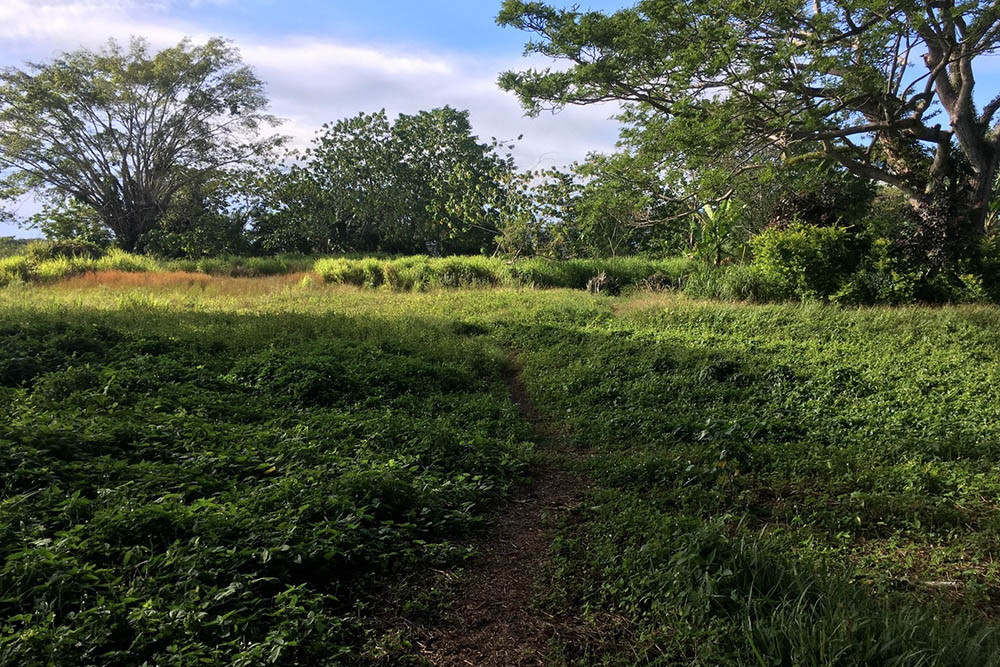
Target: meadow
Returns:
[281, 470]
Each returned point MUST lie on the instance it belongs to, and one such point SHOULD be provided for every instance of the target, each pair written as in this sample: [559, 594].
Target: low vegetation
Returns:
[52, 262]
[776, 485]
[265, 471]
[220, 486]
[420, 272]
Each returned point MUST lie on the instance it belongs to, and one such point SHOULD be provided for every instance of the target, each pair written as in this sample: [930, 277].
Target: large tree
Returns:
[419, 183]
[123, 130]
[885, 88]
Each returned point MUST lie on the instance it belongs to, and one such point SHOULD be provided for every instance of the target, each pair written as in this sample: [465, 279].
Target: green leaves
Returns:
[181, 487]
[422, 183]
[730, 86]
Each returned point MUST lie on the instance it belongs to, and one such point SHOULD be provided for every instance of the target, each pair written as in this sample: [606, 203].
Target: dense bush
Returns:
[421, 272]
[805, 261]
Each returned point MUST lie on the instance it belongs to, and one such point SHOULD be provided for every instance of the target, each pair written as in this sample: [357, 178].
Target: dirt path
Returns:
[495, 622]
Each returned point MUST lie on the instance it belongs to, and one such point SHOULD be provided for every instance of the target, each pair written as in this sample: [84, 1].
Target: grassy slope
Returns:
[775, 485]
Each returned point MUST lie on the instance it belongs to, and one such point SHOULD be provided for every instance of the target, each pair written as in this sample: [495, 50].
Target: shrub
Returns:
[40, 251]
[803, 261]
[990, 257]
[882, 277]
[16, 269]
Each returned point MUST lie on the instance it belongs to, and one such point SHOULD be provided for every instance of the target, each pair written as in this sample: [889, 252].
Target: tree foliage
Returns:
[604, 206]
[123, 130]
[860, 82]
[204, 219]
[69, 220]
[421, 183]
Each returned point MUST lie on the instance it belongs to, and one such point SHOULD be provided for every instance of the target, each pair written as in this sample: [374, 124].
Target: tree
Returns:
[748, 81]
[123, 130]
[203, 220]
[600, 207]
[421, 183]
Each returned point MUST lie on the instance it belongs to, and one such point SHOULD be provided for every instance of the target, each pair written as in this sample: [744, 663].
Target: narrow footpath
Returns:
[495, 621]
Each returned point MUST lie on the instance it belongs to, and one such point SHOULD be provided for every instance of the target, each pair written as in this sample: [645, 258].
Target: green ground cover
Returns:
[236, 477]
[186, 485]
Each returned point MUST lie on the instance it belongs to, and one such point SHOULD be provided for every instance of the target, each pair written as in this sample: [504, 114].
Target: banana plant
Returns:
[712, 231]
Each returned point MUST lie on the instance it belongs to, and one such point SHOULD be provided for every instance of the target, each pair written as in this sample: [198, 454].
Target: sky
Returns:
[327, 60]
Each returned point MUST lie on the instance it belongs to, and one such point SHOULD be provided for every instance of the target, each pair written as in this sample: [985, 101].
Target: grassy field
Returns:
[262, 471]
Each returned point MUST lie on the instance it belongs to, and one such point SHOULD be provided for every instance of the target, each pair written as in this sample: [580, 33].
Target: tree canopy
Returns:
[123, 130]
[885, 89]
[419, 183]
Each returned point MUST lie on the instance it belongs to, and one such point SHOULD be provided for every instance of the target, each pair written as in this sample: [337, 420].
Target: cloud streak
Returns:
[312, 81]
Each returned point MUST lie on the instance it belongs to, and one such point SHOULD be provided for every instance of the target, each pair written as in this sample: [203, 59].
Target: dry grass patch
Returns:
[221, 285]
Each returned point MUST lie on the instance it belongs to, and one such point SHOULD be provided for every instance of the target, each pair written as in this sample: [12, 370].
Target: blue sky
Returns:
[329, 60]
[451, 24]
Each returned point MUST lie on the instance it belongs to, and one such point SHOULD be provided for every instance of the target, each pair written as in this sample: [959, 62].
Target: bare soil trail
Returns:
[495, 621]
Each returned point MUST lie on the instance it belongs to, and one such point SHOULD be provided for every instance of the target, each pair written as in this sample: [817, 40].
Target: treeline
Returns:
[416, 184]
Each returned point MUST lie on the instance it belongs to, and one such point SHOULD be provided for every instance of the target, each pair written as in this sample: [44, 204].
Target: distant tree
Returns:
[11, 246]
[422, 183]
[744, 83]
[123, 130]
[606, 205]
[204, 219]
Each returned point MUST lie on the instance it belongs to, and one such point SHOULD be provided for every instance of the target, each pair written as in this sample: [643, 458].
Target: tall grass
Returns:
[421, 272]
[16, 269]
[402, 274]
[39, 267]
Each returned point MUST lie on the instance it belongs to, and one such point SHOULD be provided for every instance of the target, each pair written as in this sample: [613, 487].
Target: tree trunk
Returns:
[130, 228]
[982, 196]
[947, 225]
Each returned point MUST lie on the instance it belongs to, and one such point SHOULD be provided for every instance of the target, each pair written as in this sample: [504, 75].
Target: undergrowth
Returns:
[184, 488]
